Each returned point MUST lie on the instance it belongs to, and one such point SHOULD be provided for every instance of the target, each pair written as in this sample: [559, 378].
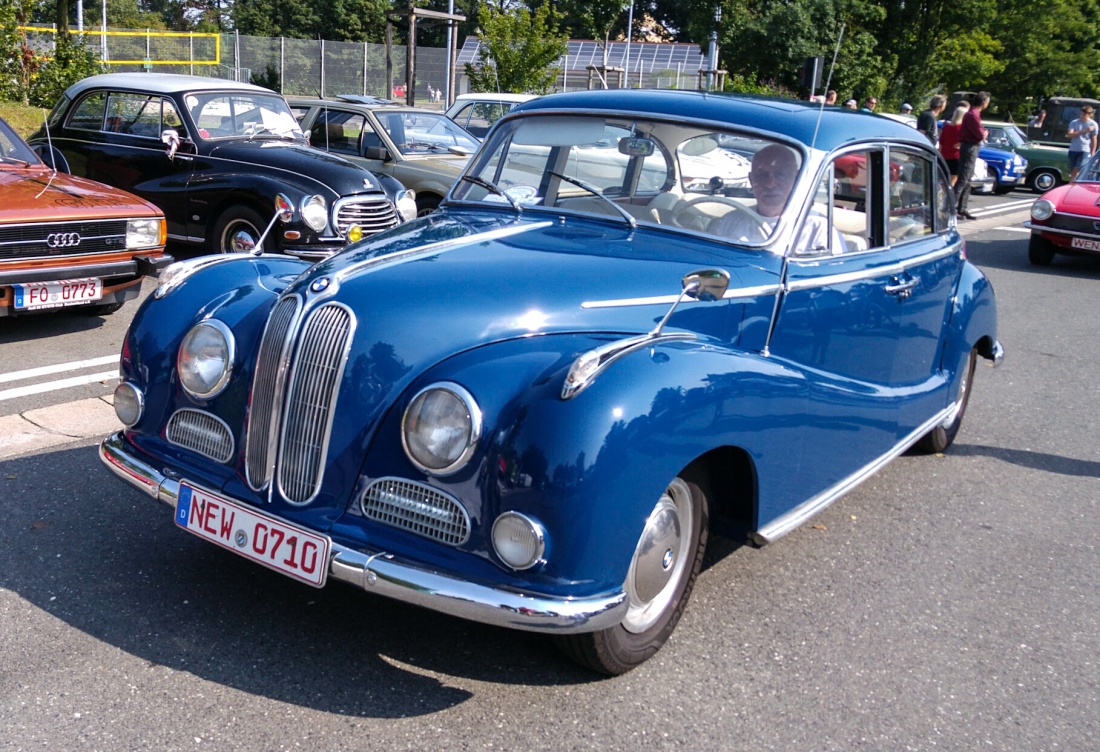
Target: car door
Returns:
[128, 153]
[839, 322]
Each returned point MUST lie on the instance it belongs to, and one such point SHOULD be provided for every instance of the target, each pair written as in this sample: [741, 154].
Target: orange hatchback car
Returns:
[66, 241]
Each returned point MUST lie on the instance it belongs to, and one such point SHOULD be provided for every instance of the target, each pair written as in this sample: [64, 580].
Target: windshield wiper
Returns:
[492, 188]
[14, 160]
[596, 192]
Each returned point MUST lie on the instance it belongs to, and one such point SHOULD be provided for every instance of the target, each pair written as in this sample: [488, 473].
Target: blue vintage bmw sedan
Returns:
[532, 407]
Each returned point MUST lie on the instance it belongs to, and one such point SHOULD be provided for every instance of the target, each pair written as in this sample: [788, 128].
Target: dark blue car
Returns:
[532, 407]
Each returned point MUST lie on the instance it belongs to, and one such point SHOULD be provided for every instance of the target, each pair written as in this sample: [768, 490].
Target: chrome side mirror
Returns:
[706, 284]
[284, 212]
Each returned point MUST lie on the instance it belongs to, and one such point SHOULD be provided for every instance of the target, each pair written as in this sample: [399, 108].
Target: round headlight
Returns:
[205, 359]
[518, 540]
[315, 213]
[1042, 209]
[129, 403]
[406, 205]
[440, 428]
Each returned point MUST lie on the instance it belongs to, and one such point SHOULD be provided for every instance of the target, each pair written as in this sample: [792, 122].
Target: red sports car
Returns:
[1067, 218]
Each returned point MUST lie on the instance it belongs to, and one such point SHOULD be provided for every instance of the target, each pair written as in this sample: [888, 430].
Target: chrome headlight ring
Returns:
[440, 428]
[205, 359]
[1042, 210]
[314, 212]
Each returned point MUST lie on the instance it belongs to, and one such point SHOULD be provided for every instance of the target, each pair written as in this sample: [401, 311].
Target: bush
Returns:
[72, 61]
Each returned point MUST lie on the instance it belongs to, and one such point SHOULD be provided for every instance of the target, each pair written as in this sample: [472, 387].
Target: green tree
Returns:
[519, 50]
[599, 19]
[337, 20]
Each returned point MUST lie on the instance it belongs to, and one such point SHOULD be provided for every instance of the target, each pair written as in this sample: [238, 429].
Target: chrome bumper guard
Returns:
[384, 574]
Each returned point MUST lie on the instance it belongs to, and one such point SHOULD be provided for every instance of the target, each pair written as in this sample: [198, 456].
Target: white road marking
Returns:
[1013, 228]
[50, 386]
[76, 365]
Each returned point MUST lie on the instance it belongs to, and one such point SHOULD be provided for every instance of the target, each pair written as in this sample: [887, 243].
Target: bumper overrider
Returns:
[384, 574]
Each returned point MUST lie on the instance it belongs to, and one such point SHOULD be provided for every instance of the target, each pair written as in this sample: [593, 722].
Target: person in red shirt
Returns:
[971, 135]
[949, 140]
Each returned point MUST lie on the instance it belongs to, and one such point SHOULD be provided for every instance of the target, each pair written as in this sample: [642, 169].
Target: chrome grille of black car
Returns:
[52, 239]
[262, 404]
[373, 214]
[201, 432]
[417, 508]
[315, 371]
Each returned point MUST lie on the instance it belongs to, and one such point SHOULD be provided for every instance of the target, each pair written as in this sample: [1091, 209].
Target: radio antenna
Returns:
[828, 80]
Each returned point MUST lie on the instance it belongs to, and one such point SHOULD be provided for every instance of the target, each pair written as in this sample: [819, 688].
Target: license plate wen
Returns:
[35, 295]
[1085, 244]
[293, 551]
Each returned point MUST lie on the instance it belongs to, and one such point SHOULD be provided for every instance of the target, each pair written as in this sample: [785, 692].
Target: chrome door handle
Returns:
[903, 289]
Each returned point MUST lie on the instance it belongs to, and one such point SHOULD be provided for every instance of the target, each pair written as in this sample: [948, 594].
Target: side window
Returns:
[910, 196]
[88, 115]
[339, 132]
[845, 198]
[133, 114]
[945, 201]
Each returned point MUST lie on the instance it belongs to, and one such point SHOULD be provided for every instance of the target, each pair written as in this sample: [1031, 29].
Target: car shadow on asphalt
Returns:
[110, 563]
[43, 325]
[1051, 463]
[1011, 254]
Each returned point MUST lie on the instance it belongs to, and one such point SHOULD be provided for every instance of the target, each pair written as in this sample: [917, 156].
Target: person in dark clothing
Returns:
[926, 121]
[971, 135]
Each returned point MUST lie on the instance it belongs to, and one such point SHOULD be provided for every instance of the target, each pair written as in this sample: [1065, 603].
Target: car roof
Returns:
[352, 105]
[793, 118]
[161, 83]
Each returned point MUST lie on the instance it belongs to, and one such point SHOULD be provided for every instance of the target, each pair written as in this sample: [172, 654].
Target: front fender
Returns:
[973, 317]
[591, 468]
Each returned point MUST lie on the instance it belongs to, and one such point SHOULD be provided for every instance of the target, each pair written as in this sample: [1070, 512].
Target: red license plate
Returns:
[1085, 244]
[296, 552]
[34, 295]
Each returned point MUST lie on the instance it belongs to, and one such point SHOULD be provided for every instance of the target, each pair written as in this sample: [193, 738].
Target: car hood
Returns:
[1077, 198]
[443, 284]
[336, 172]
[37, 194]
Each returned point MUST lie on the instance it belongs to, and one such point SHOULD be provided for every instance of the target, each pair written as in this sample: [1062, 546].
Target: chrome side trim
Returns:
[407, 581]
[759, 291]
[785, 523]
[878, 271]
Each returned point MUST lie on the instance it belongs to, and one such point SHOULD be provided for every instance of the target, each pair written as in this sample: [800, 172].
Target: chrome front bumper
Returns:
[384, 574]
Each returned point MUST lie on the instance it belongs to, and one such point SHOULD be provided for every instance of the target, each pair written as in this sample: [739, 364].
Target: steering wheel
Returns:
[686, 215]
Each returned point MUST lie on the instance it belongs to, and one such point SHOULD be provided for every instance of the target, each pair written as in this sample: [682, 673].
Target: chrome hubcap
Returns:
[660, 559]
[241, 239]
[1044, 182]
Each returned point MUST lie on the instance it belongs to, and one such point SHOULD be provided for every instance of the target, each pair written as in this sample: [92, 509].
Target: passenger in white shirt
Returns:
[772, 176]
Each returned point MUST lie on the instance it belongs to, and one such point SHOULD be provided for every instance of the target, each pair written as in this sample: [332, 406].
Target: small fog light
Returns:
[518, 540]
[355, 234]
[129, 403]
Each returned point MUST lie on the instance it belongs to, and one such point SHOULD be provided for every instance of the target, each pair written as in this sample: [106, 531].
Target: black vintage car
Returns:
[217, 157]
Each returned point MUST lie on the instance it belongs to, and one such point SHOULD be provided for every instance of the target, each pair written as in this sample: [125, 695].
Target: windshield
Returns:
[1091, 171]
[426, 133]
[1006, 137]
[637, 171]
[259, 115]
[14, 150]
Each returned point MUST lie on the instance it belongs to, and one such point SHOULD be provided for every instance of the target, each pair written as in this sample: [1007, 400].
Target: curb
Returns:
[56, 425]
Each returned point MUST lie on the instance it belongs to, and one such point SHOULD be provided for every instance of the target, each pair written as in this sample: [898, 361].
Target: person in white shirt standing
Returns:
[1082, 133]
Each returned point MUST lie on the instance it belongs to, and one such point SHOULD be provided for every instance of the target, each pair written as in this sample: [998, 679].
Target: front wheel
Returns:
[1040, 251]
[942, 436]
[1042, 181]
[658, 583]
[238, 230]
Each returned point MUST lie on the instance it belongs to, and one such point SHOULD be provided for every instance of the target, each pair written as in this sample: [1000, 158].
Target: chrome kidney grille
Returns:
[298, 371]
[417, 508]
[201, 432]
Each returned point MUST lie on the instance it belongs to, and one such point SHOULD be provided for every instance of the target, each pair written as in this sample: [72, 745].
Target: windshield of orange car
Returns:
[14, 149]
